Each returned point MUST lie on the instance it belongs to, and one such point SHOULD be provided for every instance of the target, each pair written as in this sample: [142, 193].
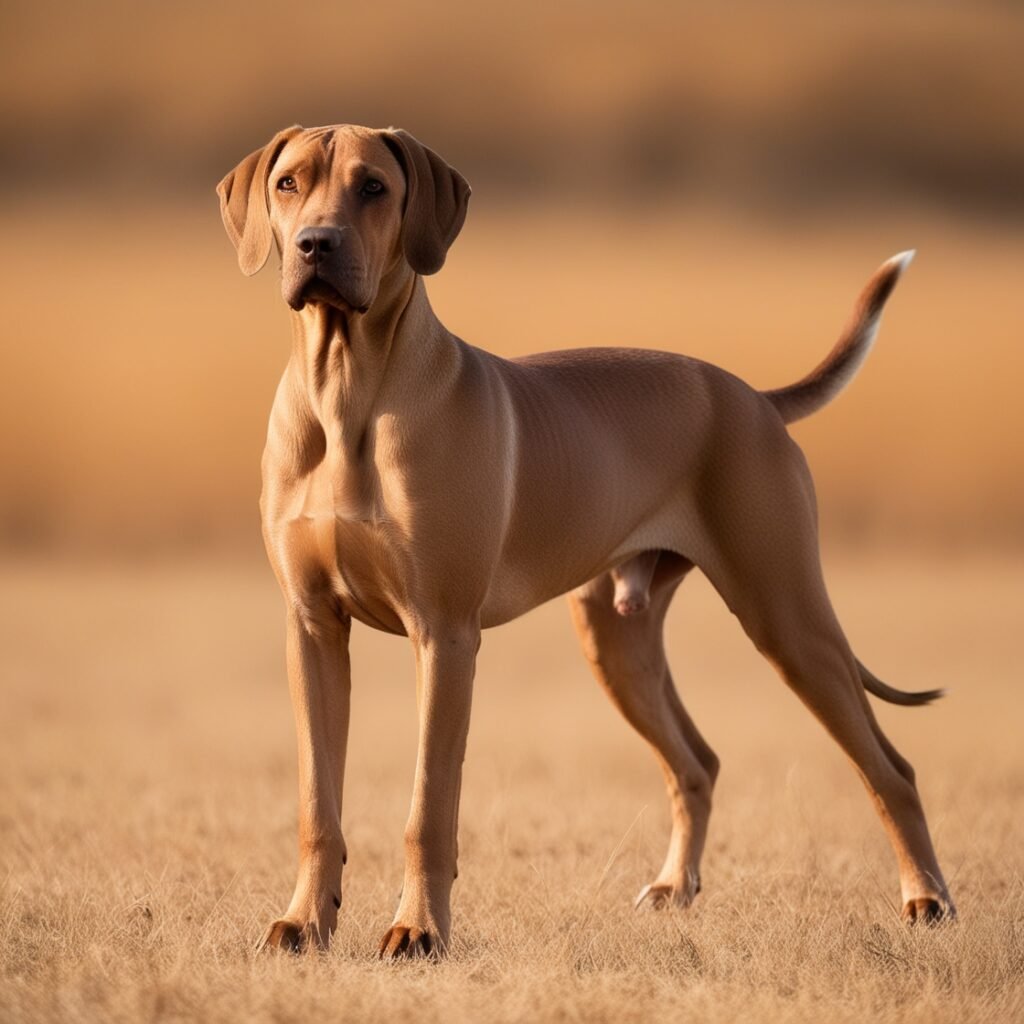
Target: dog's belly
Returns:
[563, 560]
[365, 569]
[609, 445]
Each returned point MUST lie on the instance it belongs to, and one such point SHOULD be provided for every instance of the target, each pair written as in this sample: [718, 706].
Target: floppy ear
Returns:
[435, 202]
[243, 203]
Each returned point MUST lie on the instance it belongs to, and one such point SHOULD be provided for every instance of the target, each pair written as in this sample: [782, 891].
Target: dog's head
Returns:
[346, 206]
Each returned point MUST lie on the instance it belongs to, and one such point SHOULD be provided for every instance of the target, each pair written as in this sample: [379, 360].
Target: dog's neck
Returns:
[341, 360]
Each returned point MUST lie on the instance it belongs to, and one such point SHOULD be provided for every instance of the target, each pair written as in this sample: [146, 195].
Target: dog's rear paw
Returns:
[401, 942]
[291, 937]
[661, 896]
[928, 910]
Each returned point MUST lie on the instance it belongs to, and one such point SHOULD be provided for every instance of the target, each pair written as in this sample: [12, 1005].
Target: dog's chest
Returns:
[335, 538]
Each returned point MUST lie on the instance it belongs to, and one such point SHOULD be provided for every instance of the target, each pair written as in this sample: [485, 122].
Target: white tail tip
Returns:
[904, 259]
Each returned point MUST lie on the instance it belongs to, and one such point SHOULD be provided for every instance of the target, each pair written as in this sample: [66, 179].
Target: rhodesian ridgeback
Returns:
[430, 489]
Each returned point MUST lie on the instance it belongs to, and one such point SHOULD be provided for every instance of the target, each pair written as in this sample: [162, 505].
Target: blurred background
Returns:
[715, 179]
[712, 179]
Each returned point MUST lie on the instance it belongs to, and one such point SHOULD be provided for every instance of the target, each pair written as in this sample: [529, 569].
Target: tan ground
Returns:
[147, 807]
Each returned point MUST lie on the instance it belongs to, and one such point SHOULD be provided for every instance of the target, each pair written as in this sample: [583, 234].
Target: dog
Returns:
[427, 488]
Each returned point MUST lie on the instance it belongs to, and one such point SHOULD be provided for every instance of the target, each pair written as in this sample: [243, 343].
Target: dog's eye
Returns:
[371, 187]
[287, 184]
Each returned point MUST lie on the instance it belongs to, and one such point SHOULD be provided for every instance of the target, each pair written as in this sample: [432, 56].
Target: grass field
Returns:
[147, 813]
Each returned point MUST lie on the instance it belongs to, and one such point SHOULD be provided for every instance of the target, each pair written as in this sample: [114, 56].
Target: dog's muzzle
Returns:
[324, 268]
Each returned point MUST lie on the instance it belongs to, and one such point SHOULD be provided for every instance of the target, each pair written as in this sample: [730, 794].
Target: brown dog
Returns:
[428, 488]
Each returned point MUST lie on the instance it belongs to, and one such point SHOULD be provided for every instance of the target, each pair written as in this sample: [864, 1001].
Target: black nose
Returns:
[315, 243]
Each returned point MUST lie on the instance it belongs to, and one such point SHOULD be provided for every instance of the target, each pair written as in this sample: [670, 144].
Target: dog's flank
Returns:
[840, 366]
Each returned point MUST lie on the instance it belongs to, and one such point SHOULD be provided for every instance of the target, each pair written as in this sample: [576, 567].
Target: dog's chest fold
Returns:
[337, 535]
[355, 481]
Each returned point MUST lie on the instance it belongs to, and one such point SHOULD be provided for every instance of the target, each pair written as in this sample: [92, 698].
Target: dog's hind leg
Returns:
[762, 557]
[627, 656]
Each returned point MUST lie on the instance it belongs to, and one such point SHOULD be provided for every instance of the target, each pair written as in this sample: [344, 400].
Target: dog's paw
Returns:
[291, 937]
[928, 910]
[402, 942]
[661, 896]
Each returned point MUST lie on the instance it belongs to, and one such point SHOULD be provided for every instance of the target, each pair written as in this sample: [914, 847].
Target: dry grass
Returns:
[147, 805]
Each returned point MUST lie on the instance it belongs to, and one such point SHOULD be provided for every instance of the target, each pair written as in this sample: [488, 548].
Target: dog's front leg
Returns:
[445, 660]
[320, 683]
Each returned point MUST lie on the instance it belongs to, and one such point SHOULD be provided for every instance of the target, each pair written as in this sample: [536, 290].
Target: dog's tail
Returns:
[875, 685]
[825, 381]
[840, 366]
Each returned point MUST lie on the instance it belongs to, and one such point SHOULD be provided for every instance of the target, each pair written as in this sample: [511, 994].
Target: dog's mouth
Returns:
[317, 289]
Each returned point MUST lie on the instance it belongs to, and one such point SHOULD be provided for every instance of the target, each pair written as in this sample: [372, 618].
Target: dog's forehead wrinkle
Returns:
[360, 168]
[339, 147]
[296, 155]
